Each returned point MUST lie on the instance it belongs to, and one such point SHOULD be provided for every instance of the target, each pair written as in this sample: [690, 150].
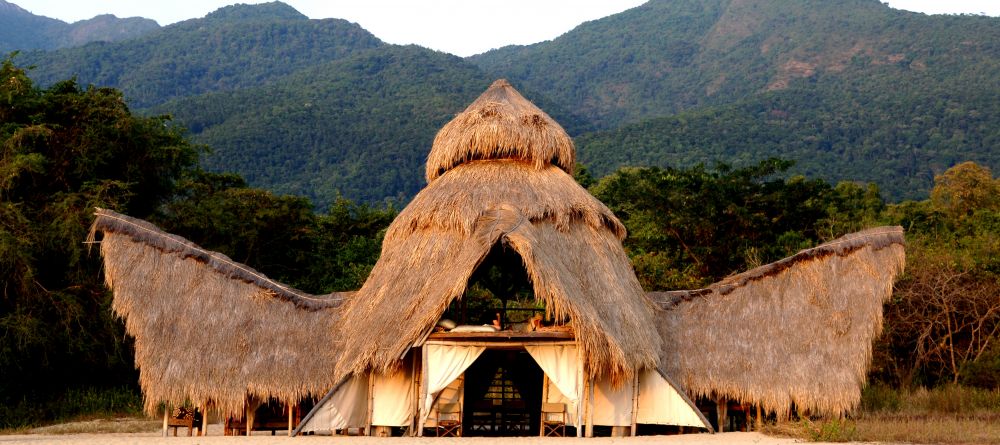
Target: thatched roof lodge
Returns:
[209, 330]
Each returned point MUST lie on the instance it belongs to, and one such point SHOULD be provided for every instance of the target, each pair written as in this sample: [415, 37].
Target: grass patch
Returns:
[945, 415]
[76, 404]
[102, 426]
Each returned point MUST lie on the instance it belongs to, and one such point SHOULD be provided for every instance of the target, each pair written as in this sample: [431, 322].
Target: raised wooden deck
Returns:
[501, 338]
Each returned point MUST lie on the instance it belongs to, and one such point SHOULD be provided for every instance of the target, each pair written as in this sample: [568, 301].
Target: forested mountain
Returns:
[22, 30]
[914, 132]
[850, 90]
[668, 56]
[359, 127]
[235, 47]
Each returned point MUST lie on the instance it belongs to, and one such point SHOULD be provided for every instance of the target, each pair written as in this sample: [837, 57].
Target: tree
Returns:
[63, 151]
[965, 188]
[690, 227]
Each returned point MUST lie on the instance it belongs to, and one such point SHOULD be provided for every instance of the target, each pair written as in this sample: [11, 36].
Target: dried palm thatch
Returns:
[209, 329]
[798, 331]
[436, 243]
[501, 124]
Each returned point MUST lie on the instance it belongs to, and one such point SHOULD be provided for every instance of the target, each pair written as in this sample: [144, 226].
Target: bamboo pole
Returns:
[290, 426]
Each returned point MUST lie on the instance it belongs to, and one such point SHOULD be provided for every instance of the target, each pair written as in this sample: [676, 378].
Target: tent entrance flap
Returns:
[503, 395]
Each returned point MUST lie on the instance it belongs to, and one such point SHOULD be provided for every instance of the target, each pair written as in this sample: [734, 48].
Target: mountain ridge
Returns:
[20, 30]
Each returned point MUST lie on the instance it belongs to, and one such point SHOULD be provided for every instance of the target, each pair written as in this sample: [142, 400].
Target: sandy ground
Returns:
[154, 438]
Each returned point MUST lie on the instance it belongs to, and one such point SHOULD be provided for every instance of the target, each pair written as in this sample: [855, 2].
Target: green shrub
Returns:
[832, 430]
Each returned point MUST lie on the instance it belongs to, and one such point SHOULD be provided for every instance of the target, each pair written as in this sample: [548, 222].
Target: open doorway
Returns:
[503, 394]
[499, 293]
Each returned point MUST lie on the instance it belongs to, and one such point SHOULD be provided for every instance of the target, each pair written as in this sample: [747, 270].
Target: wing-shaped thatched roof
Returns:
[797, 331]
[501, 124]
[569, 242]
[208, 328]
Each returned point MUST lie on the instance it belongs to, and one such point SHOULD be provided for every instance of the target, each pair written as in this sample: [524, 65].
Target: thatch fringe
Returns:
[209, 329]
[501, 124]
[798, 331]
[109, 221]
[436, 243]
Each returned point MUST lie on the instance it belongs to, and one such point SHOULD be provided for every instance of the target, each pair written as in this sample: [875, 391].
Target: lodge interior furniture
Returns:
[553, 419]
[189, 418]
[449, 420]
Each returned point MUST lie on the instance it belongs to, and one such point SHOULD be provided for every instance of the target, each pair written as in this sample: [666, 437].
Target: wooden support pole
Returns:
[166, 414]
[248, 416]
[290, 420]
[635, 403]
[371, 398]
[545, 399]
[422, 394]
[760, 419]
[590, 407]
[720, 409]
[581, 389]
[417, 376]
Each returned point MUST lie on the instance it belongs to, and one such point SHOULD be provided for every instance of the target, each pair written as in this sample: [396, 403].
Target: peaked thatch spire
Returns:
[501, 124]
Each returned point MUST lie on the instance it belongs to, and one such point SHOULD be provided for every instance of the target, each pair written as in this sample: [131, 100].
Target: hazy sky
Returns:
[462, 27]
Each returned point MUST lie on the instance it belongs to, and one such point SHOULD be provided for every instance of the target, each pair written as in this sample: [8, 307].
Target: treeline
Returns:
[67, 149]
[694, 226]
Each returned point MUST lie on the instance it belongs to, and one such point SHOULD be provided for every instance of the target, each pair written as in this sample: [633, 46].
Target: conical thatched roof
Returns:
[501, 124]
[798, 331]
[498, 173]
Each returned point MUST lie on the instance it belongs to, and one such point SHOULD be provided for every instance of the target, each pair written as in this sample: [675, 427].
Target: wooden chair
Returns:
[449, 420]
[189, 418]
[553, 419]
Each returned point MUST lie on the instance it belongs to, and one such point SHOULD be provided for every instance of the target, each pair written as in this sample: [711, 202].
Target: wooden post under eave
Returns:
[203, 428]
[581, 403]
[590, 407]
[248, 416]
[166, 414]
[545, 399]
[635, 403]
[760, 419]
[371, 398]
[422, 393]
[720, 408]
[290, 420]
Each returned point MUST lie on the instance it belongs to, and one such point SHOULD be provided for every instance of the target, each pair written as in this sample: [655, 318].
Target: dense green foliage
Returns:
[65, 150]
[358, 127]
[899, 140]
[21, 30]
[235, 47]
[848, 90]
[691, 227]
[668, 56]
